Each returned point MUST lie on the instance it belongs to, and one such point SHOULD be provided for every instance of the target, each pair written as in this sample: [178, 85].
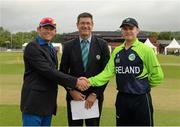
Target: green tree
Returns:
[5, 36]
[165, 36]
[154, 34]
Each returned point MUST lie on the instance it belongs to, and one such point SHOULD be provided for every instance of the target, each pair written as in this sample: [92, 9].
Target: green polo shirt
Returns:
[137, 63]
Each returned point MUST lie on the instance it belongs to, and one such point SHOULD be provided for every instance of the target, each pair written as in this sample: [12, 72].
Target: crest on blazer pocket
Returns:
[98, 57]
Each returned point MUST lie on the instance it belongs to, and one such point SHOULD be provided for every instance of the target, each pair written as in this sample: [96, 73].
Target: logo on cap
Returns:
[47, 21]
[127, 20]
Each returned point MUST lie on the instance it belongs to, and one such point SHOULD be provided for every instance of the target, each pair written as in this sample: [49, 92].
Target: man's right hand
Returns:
[82, 83]
[77, 96]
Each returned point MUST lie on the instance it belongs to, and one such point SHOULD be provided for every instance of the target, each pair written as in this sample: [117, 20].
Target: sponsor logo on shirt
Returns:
[128, 70]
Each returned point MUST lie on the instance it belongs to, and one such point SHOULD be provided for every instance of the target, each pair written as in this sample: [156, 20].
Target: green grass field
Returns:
[166, 98]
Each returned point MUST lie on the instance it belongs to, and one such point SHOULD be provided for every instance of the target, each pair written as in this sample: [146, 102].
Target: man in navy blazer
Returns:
[85, 56]
[39, 91]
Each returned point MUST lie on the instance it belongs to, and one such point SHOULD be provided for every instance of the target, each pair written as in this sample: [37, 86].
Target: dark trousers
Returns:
[134, 110]
[88, 122]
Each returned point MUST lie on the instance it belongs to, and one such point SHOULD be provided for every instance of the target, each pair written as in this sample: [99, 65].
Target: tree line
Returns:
[15, 40]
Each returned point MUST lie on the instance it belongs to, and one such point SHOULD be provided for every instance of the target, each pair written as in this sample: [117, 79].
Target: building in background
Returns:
[114, 38]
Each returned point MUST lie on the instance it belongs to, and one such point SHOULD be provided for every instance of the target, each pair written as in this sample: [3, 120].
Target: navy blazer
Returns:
[41, 77]
[71, 62]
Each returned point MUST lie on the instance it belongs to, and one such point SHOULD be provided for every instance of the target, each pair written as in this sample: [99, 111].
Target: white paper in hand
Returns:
[79, 111]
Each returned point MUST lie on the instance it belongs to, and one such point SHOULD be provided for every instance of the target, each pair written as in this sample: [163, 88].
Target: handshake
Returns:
[82, 83]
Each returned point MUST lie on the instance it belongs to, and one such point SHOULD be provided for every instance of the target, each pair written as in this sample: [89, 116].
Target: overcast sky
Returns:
[152, 15]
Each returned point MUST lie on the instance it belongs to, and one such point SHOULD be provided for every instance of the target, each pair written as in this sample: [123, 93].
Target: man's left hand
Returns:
[90, 100]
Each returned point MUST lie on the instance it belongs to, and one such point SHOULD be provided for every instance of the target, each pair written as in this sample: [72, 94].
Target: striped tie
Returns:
[85, 52]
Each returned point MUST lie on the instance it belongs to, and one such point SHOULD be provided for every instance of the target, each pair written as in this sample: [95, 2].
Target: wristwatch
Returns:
[93, 94]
